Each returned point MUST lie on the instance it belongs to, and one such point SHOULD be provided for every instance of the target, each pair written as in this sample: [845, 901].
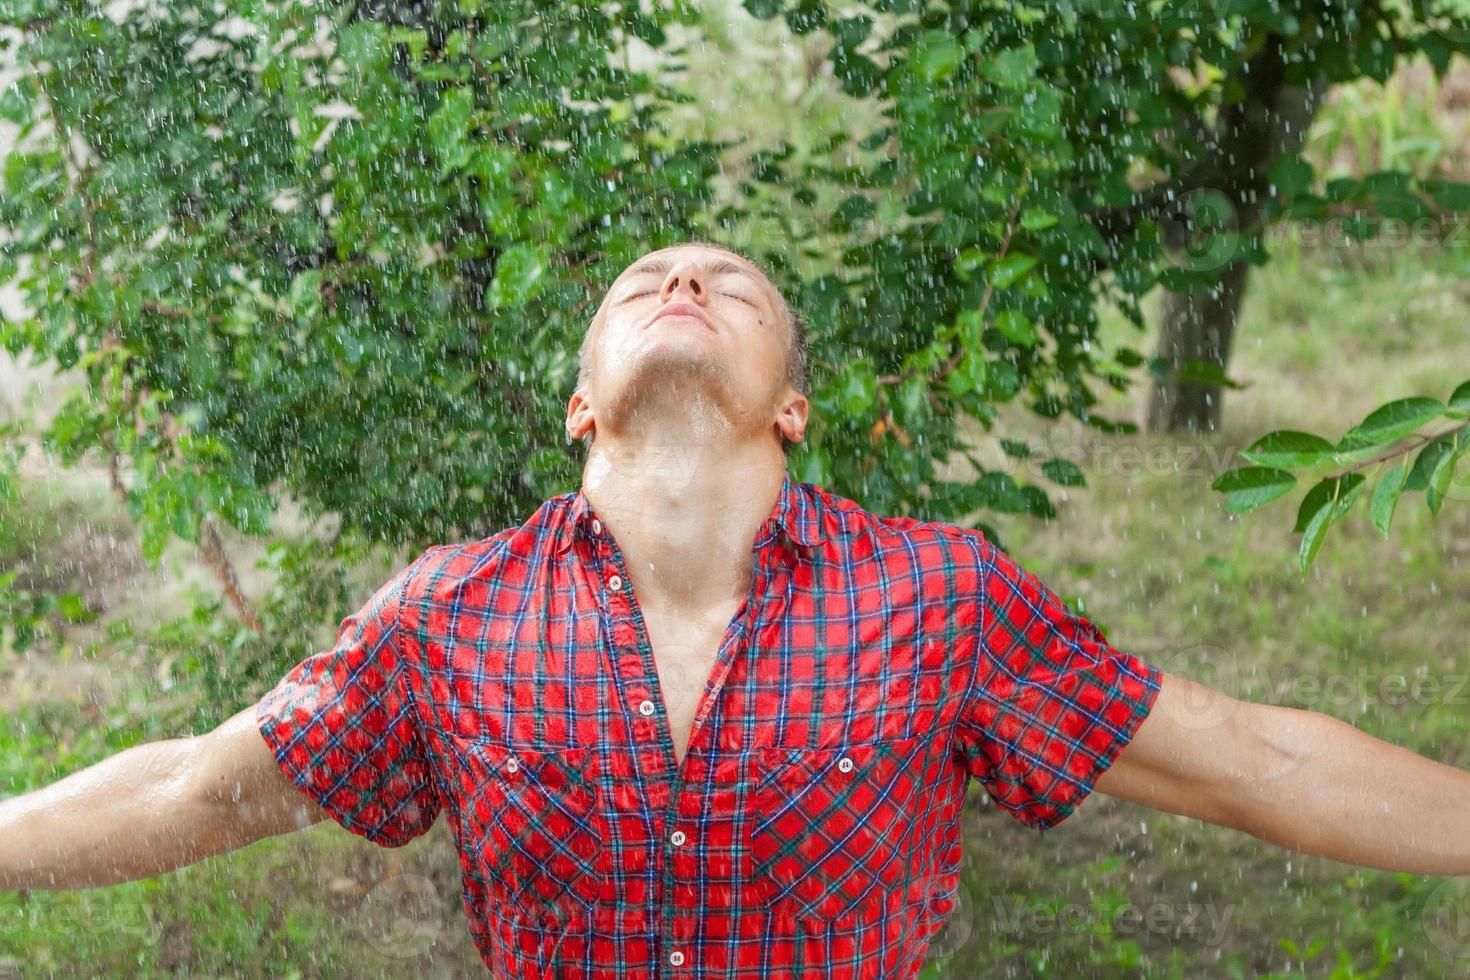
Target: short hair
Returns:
[798, 370]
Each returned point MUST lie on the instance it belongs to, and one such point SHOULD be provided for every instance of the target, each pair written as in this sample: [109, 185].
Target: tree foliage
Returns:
[344, 253]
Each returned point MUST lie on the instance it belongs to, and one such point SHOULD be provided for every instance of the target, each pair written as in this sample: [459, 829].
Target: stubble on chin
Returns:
[685, 392]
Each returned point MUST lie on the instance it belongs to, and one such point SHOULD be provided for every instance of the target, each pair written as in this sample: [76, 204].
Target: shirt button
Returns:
[615, 583]
[596, 526]
[646, 708]
[512, 766]
[845, 765]
[676, 958]
[678, 838]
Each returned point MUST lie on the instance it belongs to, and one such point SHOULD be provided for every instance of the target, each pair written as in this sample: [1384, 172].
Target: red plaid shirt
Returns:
[875, 666]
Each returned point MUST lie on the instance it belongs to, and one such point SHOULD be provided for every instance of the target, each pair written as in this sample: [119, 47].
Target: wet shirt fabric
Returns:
[876, 665]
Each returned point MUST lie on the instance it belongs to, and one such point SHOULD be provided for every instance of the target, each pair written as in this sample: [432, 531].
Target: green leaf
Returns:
[1016, 327]
[852, 31]
[763, 9]
[72, 608]
[1249, 487]
[447, 127]
[1036, 503]
[859, 388]
[807, 16]
[1015, 449]
[361, 45]
[1386, 497]
[1033, 220]
[1431, 456]
[1006, 272]
[1205, 373]
[969, 374]
[1389, 423]
[937, 55]
[1328, 489]
[1288, 448]
[969, 259]
[1324, 504]
[517, 277]
[857, 74]
[1460, 399]
[1291, 175]
[1065, 472]
[1013, 68]
[16, 104]
[1444, 471]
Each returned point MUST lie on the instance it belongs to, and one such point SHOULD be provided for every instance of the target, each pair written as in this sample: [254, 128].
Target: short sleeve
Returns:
[1051, 704]
[342, 727]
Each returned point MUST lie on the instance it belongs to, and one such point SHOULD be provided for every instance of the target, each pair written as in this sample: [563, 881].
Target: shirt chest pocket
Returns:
[829, 830]
[532, 828]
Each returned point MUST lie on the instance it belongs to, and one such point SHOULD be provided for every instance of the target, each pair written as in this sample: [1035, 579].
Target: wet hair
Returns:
[797, 368]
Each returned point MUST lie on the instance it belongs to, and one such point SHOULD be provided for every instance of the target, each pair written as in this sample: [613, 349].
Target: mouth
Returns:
[687, 310]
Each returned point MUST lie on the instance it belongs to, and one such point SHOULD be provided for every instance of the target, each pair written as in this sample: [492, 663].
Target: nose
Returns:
[686, 282]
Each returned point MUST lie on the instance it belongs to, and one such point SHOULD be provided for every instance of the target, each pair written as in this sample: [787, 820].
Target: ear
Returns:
[791, 415]
[581, 419]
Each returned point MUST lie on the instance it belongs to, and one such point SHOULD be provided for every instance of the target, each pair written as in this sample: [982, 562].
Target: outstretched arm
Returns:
[1299, 779]
[151, 809]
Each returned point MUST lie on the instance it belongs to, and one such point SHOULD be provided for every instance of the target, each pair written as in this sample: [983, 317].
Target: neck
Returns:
[685, 510]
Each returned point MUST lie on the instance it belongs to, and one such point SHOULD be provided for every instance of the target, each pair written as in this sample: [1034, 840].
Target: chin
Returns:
[673, 378]
[679, 358]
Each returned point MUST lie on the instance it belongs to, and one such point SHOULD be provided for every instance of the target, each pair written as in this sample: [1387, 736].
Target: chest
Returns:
[686, 645]
[569, 655]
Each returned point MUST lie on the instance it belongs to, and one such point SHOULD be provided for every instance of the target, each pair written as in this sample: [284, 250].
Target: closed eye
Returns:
[649, 292]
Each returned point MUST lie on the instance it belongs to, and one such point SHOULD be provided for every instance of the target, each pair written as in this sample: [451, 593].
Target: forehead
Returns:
[713, 261]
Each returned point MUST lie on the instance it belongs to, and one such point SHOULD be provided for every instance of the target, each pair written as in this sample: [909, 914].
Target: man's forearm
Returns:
[134, 815]
[1326, 788]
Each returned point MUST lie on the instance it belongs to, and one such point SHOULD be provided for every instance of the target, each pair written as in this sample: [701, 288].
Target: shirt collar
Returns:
[795, 514]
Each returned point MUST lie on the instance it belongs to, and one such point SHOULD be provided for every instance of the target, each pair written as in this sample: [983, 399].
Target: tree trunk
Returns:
[1271, 121]
[1197, 326]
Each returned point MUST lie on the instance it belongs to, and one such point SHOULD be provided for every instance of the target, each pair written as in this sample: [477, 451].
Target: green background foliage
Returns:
[356, 272]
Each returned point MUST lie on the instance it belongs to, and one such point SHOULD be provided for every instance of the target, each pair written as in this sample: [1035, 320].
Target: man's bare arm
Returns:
[1299, 779]
[151, 809]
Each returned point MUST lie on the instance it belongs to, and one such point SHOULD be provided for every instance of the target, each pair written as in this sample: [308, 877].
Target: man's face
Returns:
[685, 329]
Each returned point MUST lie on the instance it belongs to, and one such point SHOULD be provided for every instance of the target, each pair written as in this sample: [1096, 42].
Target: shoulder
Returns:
[938, 554]
[849, 519]
[443, 569]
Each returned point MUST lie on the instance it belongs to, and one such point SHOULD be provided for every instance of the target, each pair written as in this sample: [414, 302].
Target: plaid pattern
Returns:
[877, 664]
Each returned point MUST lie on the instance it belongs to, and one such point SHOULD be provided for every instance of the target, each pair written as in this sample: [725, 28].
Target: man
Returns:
[698, 719]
